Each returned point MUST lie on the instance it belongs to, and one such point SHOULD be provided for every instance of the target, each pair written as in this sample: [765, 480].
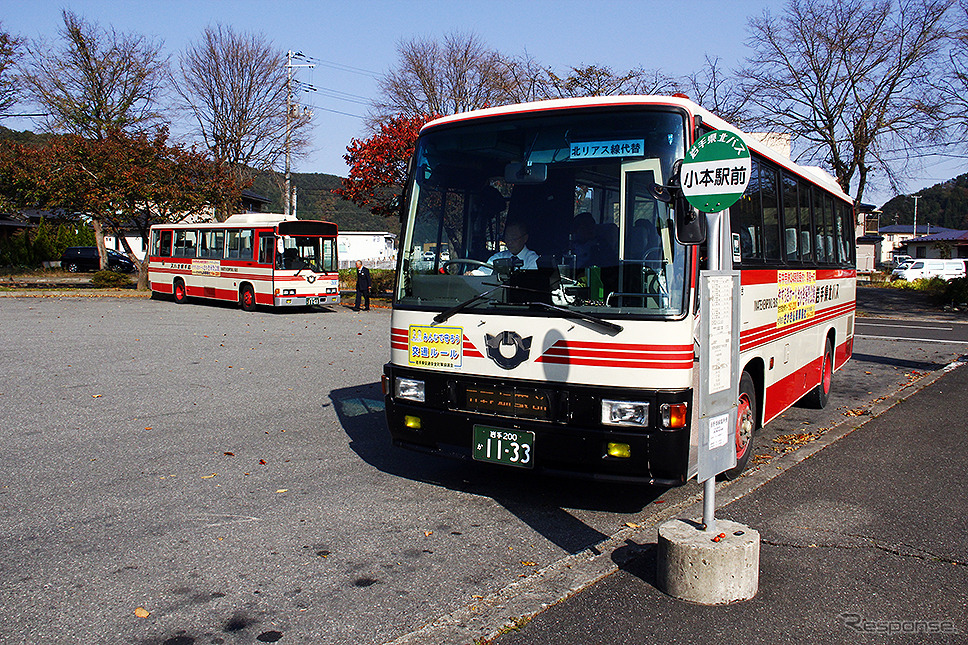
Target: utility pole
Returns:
[289, 201]
[915, 231]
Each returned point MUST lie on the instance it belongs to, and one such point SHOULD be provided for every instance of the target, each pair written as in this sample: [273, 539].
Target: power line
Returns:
[317, 107]
[340, 66]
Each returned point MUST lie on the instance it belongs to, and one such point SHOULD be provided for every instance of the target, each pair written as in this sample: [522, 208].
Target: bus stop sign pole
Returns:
[718, 391]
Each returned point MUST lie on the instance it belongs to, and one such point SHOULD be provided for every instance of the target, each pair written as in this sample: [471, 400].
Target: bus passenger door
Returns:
[641, 255]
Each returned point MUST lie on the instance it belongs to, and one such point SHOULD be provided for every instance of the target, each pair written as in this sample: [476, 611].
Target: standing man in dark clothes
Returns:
[363, 284]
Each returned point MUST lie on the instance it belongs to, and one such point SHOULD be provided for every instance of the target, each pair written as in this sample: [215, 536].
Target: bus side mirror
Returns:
[690, 224]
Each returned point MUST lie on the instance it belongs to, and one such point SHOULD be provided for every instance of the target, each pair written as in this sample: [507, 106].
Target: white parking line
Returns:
[916, 340]
[867, 324]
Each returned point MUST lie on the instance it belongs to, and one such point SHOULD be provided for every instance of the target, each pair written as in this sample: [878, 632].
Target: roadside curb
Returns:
[513, 606]
[79, 293]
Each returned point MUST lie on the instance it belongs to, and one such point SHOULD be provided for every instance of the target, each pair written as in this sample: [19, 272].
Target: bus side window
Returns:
[790, 218]
[771, 213]
[185, 244]
[246, 238]
[746, 219]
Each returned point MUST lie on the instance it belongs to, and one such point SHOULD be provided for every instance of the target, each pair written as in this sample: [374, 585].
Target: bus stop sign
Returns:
[716, 171]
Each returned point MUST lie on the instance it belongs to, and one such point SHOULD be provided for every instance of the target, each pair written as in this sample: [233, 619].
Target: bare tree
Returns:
[597, 80]
[97, 80]
[448, 77]
[234, 86]
[719, 91]
[853, 81]
[956, 87]
[527, 79]
[10, 53]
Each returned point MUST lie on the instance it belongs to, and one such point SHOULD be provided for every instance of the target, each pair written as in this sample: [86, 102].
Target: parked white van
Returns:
[918, 269]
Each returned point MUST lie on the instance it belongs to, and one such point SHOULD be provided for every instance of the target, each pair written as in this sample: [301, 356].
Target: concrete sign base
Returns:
[692, 566]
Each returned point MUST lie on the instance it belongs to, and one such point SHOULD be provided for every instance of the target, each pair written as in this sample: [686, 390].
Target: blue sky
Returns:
[355, 41]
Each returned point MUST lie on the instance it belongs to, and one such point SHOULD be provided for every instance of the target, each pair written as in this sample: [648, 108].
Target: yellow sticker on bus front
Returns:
[436, 346]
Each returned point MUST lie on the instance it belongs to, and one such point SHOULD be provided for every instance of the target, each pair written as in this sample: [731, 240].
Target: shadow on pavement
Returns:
[922, 366]
[537, 500]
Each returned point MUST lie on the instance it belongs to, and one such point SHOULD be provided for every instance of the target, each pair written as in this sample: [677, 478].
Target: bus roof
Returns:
[242, 220]
[810, 173]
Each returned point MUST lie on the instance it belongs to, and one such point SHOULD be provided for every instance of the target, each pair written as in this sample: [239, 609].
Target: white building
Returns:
[377, 249]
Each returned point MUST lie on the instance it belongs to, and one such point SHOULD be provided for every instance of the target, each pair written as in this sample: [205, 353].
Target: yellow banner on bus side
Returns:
[206, 267]
[796, 296]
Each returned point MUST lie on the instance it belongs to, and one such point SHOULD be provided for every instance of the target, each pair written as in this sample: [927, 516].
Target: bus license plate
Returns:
[500, 446]
[312, 300]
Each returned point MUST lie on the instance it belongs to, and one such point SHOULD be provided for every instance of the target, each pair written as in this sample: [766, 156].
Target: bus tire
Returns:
[247, 298]
[818, 396]
[179, 292]
[745, 425]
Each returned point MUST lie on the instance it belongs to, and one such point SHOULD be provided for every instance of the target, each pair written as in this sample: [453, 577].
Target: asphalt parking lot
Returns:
[195, 474]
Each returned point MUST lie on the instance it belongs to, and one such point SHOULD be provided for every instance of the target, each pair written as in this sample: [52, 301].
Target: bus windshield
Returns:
[564, 210]
[307, 252]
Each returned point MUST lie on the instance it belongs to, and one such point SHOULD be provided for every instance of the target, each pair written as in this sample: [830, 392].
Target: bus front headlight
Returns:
[625, 413]
[410, 389]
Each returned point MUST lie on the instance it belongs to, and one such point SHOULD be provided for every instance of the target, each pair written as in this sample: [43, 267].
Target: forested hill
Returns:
[315, 200]
[944, 204]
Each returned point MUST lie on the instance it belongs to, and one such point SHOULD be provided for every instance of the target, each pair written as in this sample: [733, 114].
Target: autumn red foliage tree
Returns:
[378, 165]
[122, 181]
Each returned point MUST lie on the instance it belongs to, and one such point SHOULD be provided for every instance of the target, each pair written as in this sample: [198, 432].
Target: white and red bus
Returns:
[253, 259]
[579, 354]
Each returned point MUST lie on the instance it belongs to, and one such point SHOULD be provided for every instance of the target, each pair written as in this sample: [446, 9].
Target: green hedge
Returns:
[45, 243]
[110, 280]
[383, 279]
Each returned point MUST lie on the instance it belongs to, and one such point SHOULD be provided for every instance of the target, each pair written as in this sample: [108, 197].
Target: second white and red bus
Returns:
[255, 259]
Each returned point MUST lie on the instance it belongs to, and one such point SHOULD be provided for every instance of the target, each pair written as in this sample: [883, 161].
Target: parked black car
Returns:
[85, 258]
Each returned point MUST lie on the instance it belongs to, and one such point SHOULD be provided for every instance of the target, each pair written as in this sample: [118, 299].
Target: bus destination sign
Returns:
[716, 171]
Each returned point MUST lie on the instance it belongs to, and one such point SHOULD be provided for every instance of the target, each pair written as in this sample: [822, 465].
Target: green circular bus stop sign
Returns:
[716, 171]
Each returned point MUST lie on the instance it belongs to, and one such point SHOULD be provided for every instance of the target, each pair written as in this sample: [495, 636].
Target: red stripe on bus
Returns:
[753, 338]
[603, 362]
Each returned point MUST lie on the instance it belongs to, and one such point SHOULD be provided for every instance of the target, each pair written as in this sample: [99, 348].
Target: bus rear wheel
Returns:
[178, 291]
[745, 425]
[247, 298]
[818, 396]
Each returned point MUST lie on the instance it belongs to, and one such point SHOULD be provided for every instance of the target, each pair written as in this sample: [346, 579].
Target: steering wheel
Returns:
[459, 261]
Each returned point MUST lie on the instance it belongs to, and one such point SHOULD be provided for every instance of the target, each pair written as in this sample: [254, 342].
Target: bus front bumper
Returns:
[305, 301]
[654, 458]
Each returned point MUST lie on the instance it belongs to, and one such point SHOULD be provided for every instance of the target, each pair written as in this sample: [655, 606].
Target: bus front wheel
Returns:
[247, 298]
[745, 425]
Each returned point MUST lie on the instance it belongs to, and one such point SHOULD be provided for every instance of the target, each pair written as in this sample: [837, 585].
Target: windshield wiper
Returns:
[565, 313]
[569, 313]
[444, 315]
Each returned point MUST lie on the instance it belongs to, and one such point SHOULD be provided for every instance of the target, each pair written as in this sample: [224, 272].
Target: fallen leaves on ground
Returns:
[792, 441]
[141, 612]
